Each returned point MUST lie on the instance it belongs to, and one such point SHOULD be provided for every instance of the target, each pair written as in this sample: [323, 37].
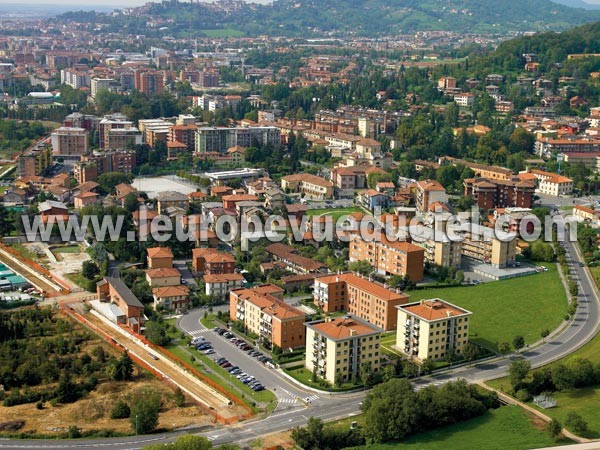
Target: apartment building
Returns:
[429, 192]
[122, 138]
[545, 146]
[442, 251]
[155, 130]
[464, 100]
[160, 258]
[219, 139]
[431, 329]
[549, 183]
[148, 82]
[491, 194]
[172, 298]
[36, 160]
[482, 244]
[212, 261]
[586, 214]
[265, 314]
[74, 78]
[111, 122]
[220, 285]
[101, 84]
[337, 348]
[356, 295]
[127, 309]
[70, 143]
[184, 134]
[294, 262]
[163, 277]
[89, 168]
[171, 199]
[311, 186]
[390, 257]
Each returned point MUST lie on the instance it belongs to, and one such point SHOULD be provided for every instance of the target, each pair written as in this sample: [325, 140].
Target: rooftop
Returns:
[341, 328]
[434, 309]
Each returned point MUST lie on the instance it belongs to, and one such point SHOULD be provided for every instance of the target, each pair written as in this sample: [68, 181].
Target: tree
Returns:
[131, 203]
[362, 267]
[389, 372]
[89, 270]
[562, 378]
[156, 333]
[576, 423]
[187, 442]
[121, 410]
[123, 370]
[144, 411]
[542, 251]
[179, 397]
[470, 351]
[518, 371]
[428, 365]
[504, 347]
[310, 437]
[518, 342]
[108, 181]
[554, 428]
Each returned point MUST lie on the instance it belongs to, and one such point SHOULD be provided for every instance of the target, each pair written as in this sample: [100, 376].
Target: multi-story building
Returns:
[108, 123]
[264, 313]
[70, 143]
[155, 130]
[337, 348]
[442, 251]
[216, 139]
[36, 160]
[101, 84]
[172, 298]
[547, 146]
[75, 78]
[89, 168]
[185, 134]
[432, 329]
[465, 100]
[488, 245]
[148, 82]
[122, 138]
[160, 258]
[311, 186]
[429, 192]
[163, 277]
[390, 257]
[209, 78]
[359, 296]
[171, 199]
[128, 309]
[549, 183]
[212, 261]
[220, 285]
[491, 194]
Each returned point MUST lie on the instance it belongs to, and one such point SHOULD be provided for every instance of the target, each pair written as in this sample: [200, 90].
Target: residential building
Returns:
[85, 199]
[429, 192]
[220, 285]
[149, 82]
[337, 348]
[108, 123]
[101, 84]
[216, 139]
[390, 257]
[36, 160]
[163, 277]
[488, 246]
[74, 78]
[90, 167]
[587, 215]
[172, 298]
[212, 261]
[295, 263]
[549, 183]
[311, 186]
[432, 329]
[70, 143]
[122, 138]
[160, 258]
[276, 323]
[491, 194]
[464, 100]
[184, 134]
[129, 310]
[356, 295]
[155, 130]
[171, 199]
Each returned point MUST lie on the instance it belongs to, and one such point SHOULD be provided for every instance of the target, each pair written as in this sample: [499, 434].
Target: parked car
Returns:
[208, 351]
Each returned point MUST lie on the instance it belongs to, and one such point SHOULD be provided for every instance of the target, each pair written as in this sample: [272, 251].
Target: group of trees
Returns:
[573, 374]
[393, 411]
[43, 355]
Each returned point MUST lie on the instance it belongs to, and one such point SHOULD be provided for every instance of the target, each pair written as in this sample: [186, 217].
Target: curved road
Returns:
[585, 325]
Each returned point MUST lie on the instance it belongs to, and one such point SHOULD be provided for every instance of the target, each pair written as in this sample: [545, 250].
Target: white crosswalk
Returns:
[198, 332]
[311, 398]
[287, 401]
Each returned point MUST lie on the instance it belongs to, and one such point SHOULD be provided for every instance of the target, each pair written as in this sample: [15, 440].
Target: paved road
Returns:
[584, 326]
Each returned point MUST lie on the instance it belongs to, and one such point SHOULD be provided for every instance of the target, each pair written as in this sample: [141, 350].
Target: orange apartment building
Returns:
[429, 192]
[212, 261]
[160, 258]
[365, 299]
[264, 313]
[130, 311]
[390, 257]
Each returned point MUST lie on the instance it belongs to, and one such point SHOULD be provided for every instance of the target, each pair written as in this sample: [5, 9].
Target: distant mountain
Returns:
[356, 17]
[577, 4]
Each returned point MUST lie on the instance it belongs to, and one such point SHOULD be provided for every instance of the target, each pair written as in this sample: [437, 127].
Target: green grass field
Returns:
[504, 309]
[67, 249]
[506, 428]
[336, 213]
[222, 33]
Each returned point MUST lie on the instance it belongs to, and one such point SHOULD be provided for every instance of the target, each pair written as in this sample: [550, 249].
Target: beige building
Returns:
[428, 193]
[442, 252]
[311, 186]
[492, 247]
[70, 143]
[163, 277]
[338, 347]
[429, 329]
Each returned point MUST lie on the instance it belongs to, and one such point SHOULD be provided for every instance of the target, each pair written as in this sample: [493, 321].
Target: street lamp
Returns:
[136, 424]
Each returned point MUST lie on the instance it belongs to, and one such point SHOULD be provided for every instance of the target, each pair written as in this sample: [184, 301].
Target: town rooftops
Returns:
[171, 291]
[50, 204]
[308, 178]
[433, 309]
[341, 328]
[269, 304]
[160, 252]
[163, 273]
[223, 278]
[430, 185]
[171, 196]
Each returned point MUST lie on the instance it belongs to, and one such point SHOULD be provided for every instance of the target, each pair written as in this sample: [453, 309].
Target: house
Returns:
[123, 190]
[295, 263]
[263, 313]
[311, 186]
[220, 191]
[430, 329]
[231, 201]
[171, 199]
[14, 197]
[53, 211]
[160, 258]
[274, 199]
[587, 215]
[212, 261]
[172, 298]
[337, 348]
[429, 191]
[372, 199]
[220, 285]
[360, 296]
[85, 199]
[129, 311]
[549, 183]
[163, 277]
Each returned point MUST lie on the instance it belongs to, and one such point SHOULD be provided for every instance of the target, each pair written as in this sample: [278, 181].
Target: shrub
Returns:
[576, 423]
[121, 410]
[523, 395]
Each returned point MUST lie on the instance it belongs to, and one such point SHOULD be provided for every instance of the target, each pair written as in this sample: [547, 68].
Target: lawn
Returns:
[222, 33]
[305, 376]
[506, 428]
[504, 309]
[336, 213]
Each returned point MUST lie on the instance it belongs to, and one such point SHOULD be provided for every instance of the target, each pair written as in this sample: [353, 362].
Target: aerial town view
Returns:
[300, 224]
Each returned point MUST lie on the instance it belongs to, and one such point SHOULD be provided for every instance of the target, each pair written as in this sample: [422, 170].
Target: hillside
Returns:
[359, 17]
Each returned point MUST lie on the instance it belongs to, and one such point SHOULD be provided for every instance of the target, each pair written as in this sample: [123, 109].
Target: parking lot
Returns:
[288, 393]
